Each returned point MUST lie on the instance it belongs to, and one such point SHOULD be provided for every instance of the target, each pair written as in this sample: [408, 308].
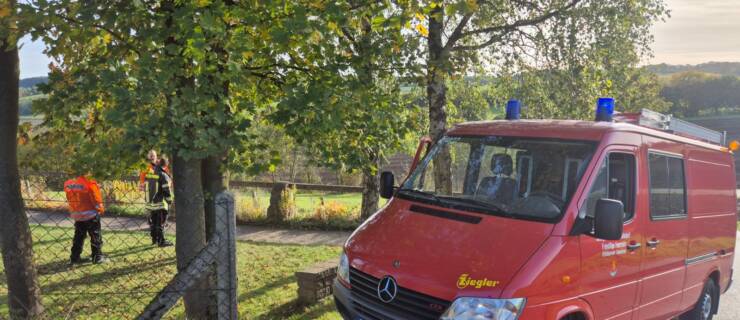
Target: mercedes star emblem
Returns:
[387, 289]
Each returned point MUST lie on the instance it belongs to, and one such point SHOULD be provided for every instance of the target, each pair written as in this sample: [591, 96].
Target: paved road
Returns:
[247, 233]
[729, 303]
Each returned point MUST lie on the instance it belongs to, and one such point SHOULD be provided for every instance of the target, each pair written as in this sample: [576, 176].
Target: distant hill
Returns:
[32, 82]
[25, 103]
[720, 68]
[27, 87]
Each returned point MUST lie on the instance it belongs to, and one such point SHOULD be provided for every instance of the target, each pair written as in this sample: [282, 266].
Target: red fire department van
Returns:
[629, 217]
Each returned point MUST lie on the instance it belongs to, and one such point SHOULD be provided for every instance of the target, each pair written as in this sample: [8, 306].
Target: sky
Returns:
[698, 31]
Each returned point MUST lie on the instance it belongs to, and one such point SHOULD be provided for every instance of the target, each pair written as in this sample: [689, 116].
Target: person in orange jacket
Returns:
[154, 162]
[151, 156]
[85, 208]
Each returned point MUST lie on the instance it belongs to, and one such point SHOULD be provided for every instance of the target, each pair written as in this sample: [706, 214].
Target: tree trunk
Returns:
[370, 192]
[282, 202]
[24, 294]
[293, 164]
[437, 99]
[214, 182]
[191, 230]
[214, 179]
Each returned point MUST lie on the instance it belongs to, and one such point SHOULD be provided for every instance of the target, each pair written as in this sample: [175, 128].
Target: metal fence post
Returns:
[226, 295]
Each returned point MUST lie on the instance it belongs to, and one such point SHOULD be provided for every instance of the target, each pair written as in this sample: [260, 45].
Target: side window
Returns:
[615, 180]
[667, 186]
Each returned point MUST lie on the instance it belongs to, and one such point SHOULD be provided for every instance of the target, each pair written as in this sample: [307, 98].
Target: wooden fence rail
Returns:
[234, 184]
[299, 186]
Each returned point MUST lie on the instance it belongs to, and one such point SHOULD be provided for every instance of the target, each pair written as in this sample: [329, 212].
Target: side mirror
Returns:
[608, 219]
[386, 184]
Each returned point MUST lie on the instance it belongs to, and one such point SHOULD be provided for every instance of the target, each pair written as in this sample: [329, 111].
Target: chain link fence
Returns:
[138, 270]
[141, 279]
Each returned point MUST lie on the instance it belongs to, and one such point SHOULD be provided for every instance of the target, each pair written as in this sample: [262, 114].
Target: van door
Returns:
[663, 263]
[610, 270]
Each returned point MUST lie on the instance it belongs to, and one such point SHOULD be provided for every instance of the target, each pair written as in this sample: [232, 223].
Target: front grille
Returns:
[408, 304]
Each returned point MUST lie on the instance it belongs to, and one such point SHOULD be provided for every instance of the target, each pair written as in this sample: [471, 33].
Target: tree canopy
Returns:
[694, 94]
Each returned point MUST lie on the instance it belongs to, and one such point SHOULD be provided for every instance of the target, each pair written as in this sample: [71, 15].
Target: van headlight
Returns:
[343, 268]
[480, 308]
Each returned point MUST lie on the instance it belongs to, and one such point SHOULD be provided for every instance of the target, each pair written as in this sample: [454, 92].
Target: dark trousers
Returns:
[82, 229]
[156, 228]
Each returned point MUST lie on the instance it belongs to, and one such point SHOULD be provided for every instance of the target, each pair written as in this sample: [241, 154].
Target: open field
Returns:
[138, 270]
[314, 210]
[32, 119]
[306, 201]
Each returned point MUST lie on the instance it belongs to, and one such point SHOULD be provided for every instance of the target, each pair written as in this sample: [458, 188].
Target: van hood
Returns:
[432, 250]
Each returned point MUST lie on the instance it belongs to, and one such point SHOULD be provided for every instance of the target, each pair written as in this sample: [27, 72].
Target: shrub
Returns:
[121, 192]
[247, 209]
[332, 210]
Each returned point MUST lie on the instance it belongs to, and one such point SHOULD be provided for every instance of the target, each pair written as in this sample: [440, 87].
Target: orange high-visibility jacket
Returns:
[84, 199]
[149, 170]
[144, 173]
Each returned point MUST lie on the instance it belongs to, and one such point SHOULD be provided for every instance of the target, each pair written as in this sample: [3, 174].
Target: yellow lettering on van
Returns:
[465, 281]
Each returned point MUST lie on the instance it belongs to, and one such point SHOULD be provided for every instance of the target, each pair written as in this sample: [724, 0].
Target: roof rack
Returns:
[669, 123]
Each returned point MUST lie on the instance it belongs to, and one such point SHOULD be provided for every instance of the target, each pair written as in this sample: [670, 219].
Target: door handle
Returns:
[633, 245]
[652, 243]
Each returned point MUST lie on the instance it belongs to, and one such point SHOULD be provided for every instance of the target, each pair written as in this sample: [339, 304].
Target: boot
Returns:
[100, 259]
[165, 243]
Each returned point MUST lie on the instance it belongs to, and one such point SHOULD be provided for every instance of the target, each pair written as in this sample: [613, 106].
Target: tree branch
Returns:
[116, 35]
[457, 33]
[505, 29]
[361, 4]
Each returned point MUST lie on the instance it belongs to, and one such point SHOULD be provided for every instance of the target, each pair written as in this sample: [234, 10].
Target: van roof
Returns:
[565, 129]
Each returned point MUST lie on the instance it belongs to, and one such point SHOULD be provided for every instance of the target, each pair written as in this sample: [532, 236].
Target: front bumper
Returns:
[355, 304]
[348, 310]
[343, 302]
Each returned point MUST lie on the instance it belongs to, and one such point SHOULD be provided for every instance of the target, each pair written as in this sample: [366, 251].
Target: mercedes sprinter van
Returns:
[630, 217]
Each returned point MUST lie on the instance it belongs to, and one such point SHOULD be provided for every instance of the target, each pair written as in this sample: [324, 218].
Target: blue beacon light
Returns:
[513, 109]
[604, 109]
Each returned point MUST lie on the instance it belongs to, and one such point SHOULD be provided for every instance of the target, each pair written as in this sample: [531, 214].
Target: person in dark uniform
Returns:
[160, 197]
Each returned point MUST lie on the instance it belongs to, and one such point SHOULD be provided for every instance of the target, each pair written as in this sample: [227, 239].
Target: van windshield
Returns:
[517, 177]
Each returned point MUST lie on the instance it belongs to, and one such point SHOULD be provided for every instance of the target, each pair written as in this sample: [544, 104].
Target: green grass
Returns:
[307, 201]
[137, 271]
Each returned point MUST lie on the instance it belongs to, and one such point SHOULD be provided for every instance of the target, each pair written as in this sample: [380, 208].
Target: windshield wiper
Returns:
[421, 194]
[481, 205]
[460, 203]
